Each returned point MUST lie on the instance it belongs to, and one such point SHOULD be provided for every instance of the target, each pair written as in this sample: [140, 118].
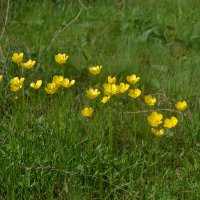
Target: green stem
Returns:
[63, 71]
[89, 139]
[134, 123]
[111, 130]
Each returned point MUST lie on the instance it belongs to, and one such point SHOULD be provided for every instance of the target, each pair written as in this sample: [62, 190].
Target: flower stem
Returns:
[110, 130]
[134, 123]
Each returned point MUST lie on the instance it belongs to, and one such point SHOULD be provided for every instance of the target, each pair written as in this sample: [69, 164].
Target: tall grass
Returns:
[49, 151]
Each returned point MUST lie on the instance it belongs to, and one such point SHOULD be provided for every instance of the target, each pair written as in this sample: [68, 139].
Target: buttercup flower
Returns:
[134, 93]
[17, 58]
[16, 84]
[95, 70]
[170, 123]
[157, 132]
[132, 79]
[61, 58]
[92, 93]
[105, 99]
[155, 119]
[150, 100]
[51, 88]
[181, 105]
[112, 80]
[58, 80]
[122, 87]
[87, 112]
[1, 78]
[29, 64]
[36, 85]
[67, 83]
[110, 89]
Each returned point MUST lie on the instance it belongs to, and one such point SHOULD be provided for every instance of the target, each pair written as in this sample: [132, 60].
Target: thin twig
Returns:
[146, 111]
[56, 34]
[6, 19]
[2, 54]
[162, 109]
[4, 29]
[82, 5]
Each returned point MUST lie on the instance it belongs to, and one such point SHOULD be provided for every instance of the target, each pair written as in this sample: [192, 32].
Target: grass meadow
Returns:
[49, 150]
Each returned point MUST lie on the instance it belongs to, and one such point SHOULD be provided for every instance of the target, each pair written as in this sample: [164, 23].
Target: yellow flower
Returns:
[157, 132]
[92, 93]
[112, 80]
[1, 78]
[61, 58]
[51, 88]
[16, 84]
[134, 93]
[150, 100]
[87, 112]
[181, 105]
[170, 123]
[122, 87]
[67, 83]
[58, 80]
[155, 119]
[105, 99]
[95, 70]
[132, 79]
[17, 58]
[110, 89]
[36, 85]
[29, 64]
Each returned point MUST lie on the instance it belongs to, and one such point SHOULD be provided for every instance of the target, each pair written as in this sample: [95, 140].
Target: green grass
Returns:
[49, 151]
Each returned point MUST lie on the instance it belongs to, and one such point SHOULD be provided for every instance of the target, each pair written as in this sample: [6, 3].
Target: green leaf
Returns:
[145, 36]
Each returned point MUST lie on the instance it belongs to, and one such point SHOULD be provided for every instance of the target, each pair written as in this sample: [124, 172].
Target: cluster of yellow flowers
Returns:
[156, 119]
[16, 83]
[58, 81]
[18, 59]
[109, 89]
